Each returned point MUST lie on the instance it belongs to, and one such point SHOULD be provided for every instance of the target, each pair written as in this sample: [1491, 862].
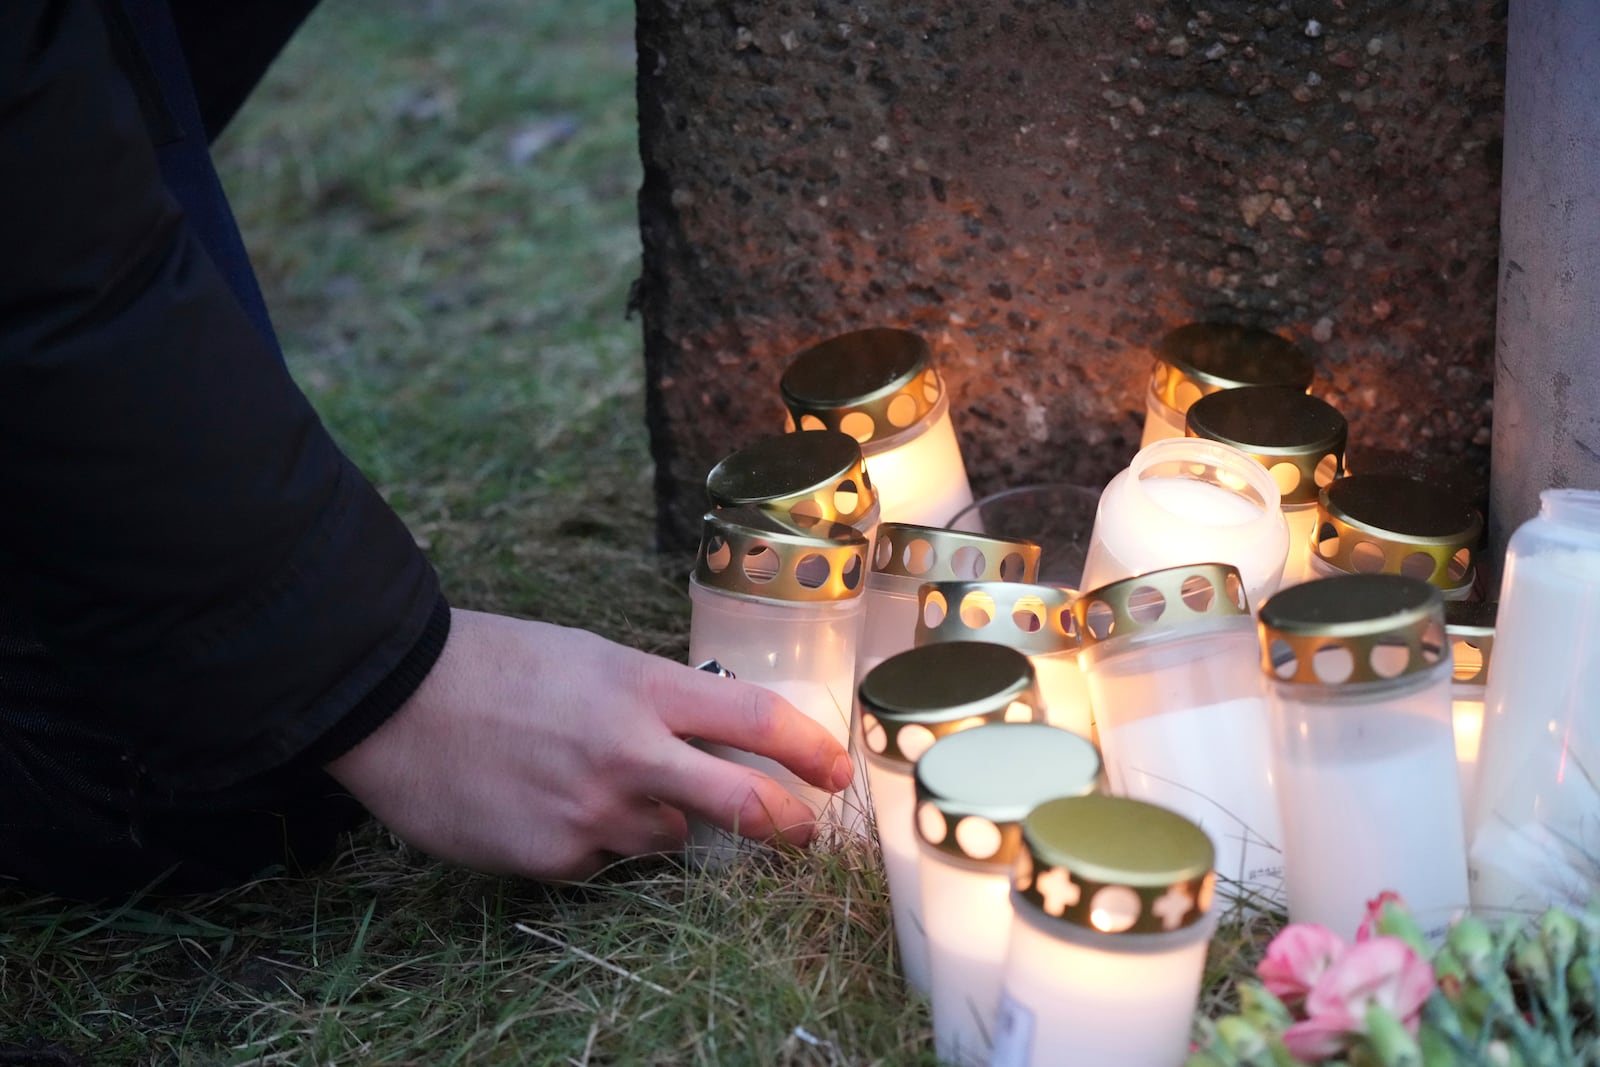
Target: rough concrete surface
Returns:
[1043, 187]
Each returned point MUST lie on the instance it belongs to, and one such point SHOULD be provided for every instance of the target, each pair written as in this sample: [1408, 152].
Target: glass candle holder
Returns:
[1056, 516]
[805, 478]
[880, 387]
[1207, 357]
[1301, 441]
[1470, 628]
[780, 608]
[1396, 524]
[973, 789]
[1036, 620]
[903, 558]
[1112, 901]
[1535, 826]
[908, 702]
[1190, 501]
[1359, 671]
[1173, 660]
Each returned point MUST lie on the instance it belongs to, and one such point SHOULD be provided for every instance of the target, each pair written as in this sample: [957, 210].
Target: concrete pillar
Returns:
[1547, 366]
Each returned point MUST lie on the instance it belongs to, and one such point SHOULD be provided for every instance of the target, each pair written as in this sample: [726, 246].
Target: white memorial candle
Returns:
[1036, 620]
[779, 609]
[1112, 902]
[973, 790]
[880, 387]
[1360, 673]
[1470, 626]
[1190, 501]
[1174, 666]
[1202, 358]
[1396, 524]
[907, 702]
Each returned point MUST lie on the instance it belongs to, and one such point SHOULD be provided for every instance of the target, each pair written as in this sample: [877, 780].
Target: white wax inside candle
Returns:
[1100, 1002]
[1213, 765]
[893, 802]
[1371, 801]
[920, 478]
[1065, 693]
[1197, 501]
[1536, 821]
[967, 911]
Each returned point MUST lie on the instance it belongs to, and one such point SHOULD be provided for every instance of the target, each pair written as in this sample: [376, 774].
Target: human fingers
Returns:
[649, 827]
[732, 797]
[757, 720]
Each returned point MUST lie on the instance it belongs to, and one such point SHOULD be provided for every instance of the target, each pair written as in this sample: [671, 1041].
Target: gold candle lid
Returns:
[871, 384]
[754, 553]
[913, 698]
[1204, 357]
[807, 477]
[1286, 430]
[1392, 524]
[1172, 596]
[1036, 620]
[1116, 865]
[1352, 629]
[975, 787]
[935, 554]
[1470, 628]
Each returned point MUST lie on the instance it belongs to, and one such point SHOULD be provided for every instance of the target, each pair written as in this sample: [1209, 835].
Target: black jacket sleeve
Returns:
[184, 532]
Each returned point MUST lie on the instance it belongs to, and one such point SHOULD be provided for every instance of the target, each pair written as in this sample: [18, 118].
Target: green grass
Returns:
[458, 317]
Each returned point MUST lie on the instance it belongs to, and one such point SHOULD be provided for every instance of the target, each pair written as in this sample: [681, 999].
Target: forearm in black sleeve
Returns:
[188, 537]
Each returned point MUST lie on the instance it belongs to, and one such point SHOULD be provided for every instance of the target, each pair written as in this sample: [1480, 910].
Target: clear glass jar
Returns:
[1173, 664]
[1397, 524]
[1190, 501]
[1201, 358]
[1360, 673]
[1301, 441]
[1112, 918]
[780, 609]
[1036, 620]
[973, 790]
[880, 387]
[1536, 820]
[804, 478]
[908, 702]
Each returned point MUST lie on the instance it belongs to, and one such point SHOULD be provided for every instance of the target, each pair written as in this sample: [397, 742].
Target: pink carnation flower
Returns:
[1296, 959]
[1379, 970]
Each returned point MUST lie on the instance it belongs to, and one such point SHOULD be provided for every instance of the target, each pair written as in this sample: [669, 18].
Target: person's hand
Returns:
[544, 751]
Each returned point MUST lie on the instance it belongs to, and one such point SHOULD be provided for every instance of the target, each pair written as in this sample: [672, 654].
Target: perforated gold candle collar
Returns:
[1204, 357]
[1390, 524]
[1174, 596]
[1115, 865]
[870, 384]
[1351, 630]
[934, 554]
[915, 697]
[754, 553]
[1278, 425]
[1035, 620]
[975, 787]
[1470, 627]
[807, 477]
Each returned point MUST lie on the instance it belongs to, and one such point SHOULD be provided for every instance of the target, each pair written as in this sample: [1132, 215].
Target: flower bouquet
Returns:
[1515, 993]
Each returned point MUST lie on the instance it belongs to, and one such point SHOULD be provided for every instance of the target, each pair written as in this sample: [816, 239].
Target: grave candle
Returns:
[805, 478]
[880, 387]
[973, 789]
[778, 607]
[1470, 627]
[1112, 900]
[1173, 669]
[908, 702]
[1395, 524]
[1207, 357]
[1298, 438]
[1359, 673]
[1189, 501]
[1036, 620]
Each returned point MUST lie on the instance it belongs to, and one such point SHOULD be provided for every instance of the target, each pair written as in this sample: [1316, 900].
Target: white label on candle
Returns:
[1013, 1035]
[1213, 765]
